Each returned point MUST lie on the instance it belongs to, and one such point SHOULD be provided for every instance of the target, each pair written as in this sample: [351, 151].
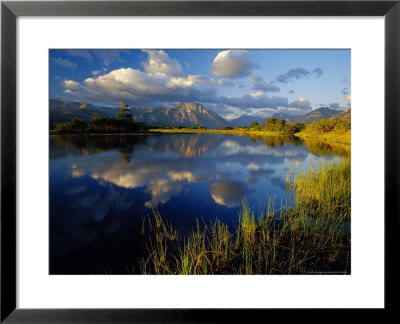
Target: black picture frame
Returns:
[10, 10]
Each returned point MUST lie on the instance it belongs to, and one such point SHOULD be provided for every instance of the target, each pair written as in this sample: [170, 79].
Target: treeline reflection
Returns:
[184, 146]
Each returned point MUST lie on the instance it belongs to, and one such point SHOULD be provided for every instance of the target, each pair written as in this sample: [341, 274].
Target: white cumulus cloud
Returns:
[302, 104]
[160, 62]
[70, 85]
[232, 64]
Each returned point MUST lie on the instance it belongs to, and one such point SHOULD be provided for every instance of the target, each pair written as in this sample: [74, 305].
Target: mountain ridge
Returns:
[286, 117]
[318, 114]
[246, 120]
[343, 115]
[184, 114]
[62, 112]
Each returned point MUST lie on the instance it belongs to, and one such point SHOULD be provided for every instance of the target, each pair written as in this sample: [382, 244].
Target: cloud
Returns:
[256, 78]
[188, 81]
[301, 103]
[334, 105]
[162, 81]
[254, 100]
[80, 53]
[126, 82]
[162, 191]
[106, 57]
[64, 63]
[225, 82]
[298, 73]
[345, 92]
[291, 91]
[70, 85]
[256, 174]
[266, 87]
[318, 72]
[138, 87]
[228, 193]
[260, 85]
[232, 64]
[260, 100]
[160, 62]
[253, 166]
[180, 82]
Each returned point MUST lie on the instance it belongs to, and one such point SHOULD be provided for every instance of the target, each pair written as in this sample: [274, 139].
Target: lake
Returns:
[103, 186]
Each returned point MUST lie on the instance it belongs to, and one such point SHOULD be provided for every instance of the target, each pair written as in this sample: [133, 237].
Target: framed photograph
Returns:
[163, 159]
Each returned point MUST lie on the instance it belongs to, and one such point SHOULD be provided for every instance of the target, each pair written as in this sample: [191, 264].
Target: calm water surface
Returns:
[102, 186]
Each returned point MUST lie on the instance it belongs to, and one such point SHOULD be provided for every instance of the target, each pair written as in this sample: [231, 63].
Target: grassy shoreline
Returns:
[332, 137]
[310, 236]
[239, 131]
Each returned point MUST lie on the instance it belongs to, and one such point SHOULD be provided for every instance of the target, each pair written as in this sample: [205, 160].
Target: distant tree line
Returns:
[123, 122]
[329, 125]
[178, 127]
[278, 126]
[319, 126]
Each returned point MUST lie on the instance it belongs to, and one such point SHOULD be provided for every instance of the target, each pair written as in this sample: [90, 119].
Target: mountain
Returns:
[287, 118]
[317, 114]
[61, 112]
[184, 114]
[243, 121]
[343, 115]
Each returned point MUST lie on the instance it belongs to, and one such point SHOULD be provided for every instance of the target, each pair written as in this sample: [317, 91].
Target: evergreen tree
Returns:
[124, 111]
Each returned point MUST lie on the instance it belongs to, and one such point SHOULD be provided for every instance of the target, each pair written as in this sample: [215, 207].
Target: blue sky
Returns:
[230, 82]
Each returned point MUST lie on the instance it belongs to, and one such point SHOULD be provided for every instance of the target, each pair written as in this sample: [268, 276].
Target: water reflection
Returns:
[64, 145]
[321, 148]
[277, 140]
[228, 193]
[101, 186]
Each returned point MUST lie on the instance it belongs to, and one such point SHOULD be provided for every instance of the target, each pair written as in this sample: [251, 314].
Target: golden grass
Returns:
[331, 137]
[236, 131]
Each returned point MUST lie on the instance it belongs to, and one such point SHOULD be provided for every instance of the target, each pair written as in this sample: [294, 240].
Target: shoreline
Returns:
[329, 137]
[239, 131]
